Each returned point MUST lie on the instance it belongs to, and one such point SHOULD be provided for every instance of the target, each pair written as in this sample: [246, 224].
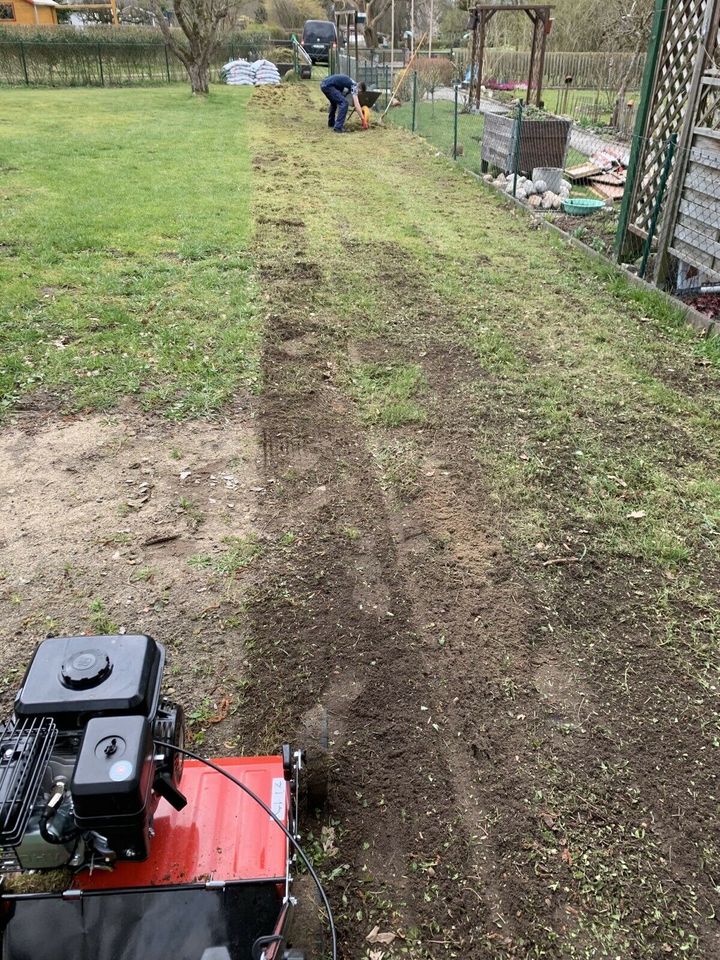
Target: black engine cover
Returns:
[112, 783]
[71, 677]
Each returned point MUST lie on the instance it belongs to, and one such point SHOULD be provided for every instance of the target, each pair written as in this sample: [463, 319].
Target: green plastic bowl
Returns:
[582, 207]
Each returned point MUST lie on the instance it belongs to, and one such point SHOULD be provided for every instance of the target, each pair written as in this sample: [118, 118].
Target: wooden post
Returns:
[113, 10]
[533, 51]
[473, 54]
[543, 46]
[484, 19]
[480, 57]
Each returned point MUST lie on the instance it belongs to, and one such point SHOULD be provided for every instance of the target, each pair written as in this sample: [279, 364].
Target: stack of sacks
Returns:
[265, 72]
[238, 72]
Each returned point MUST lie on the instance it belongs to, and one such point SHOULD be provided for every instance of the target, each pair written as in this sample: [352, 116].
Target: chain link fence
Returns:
[545, 160]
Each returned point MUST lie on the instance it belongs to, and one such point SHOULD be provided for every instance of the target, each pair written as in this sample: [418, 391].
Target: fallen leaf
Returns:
[376, 937]
[222, 711]
[327, 840]
[637, 515]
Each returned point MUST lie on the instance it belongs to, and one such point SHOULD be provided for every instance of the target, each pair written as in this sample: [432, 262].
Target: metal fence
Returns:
[578, 177]
[542, 159]
[64, 63]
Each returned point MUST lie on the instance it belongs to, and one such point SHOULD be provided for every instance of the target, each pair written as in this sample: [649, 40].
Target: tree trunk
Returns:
[199, 78]
[625, 83]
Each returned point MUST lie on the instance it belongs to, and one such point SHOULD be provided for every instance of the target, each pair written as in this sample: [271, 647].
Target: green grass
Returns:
[434, 120]
[240, 553]
[124, 267]
[387, 393]
[605, 101]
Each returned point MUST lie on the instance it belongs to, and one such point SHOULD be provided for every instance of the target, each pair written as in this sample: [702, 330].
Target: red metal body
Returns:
[222, 833]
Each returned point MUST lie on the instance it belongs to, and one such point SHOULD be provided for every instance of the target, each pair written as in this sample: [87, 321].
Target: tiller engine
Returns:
[103, 856]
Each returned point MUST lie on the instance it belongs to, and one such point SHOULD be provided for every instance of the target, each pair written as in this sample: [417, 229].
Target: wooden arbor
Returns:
[481, 15]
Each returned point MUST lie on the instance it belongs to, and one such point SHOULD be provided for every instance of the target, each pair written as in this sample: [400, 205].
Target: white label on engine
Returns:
[277, 803]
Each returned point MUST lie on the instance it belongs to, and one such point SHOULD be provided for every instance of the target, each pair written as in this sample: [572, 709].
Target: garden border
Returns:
[693, 317]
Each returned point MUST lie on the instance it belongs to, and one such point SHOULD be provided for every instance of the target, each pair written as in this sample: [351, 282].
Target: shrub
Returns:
[431, 74]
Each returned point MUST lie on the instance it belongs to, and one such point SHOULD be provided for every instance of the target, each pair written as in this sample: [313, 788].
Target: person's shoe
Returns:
[339, 131]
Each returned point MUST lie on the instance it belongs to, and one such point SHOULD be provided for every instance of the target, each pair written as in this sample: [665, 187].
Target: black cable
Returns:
[303, 856]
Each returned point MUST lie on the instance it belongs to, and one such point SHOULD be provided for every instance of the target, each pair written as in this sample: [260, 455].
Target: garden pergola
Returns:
[481, 15]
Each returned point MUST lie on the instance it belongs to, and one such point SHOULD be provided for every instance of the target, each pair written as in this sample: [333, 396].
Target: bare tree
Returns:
[200, 21]
[633, 24]
[374, 11]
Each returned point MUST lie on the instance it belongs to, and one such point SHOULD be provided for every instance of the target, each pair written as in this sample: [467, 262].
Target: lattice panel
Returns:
[708, 113]
[669, 100]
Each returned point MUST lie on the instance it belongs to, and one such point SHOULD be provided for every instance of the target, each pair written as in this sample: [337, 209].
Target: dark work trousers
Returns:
[338, 107]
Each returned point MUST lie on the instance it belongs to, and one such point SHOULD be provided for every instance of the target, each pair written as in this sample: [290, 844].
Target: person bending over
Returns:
[335, 89]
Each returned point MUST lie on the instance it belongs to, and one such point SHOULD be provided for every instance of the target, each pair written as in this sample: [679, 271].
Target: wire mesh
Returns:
[575, 170]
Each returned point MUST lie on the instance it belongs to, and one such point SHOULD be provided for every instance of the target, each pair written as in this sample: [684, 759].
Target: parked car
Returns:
[319, 36]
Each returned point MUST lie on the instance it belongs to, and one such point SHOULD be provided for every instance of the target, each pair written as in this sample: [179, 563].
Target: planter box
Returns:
[543, 143]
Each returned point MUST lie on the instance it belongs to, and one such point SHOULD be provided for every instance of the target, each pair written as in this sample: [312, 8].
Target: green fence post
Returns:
[387, 81]
[641, 118]
[167, 64]
[455, 124]
[24, 63]
[102, 75]
[414, 99]
[518, 137]
[669, 154]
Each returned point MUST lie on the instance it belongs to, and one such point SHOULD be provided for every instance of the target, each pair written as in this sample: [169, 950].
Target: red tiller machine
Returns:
[91, 769]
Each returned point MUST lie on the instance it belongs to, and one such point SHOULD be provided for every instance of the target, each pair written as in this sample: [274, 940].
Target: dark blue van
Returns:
[319, 36]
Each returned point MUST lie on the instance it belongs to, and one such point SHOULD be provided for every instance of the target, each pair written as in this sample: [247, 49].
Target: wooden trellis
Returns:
[683, 43]
[480, 17]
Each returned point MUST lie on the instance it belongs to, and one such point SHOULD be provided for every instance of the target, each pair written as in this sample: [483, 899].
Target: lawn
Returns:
[469, 514]
[124, 266]
[504, 578]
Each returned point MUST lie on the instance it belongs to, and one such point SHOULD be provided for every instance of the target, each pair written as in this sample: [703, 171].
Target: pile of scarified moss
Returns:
[45, 881]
